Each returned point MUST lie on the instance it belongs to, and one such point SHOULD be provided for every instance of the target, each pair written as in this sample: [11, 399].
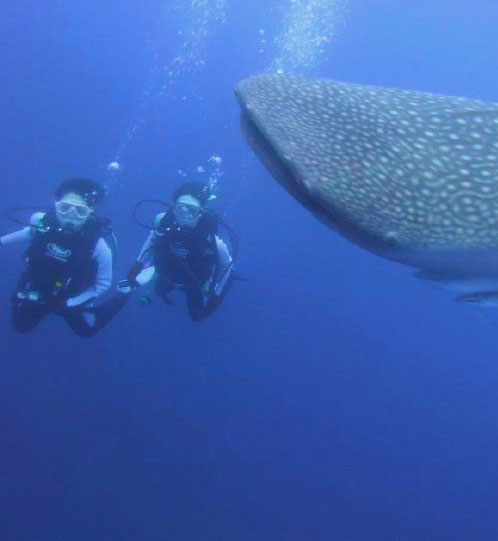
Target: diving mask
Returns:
[72, 212]
[187, 211]
[65, 208]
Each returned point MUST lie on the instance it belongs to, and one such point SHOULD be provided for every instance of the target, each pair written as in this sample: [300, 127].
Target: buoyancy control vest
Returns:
[183, 255]
[58, 259]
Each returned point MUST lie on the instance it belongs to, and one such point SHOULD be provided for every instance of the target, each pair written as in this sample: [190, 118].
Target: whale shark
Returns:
[407, 175]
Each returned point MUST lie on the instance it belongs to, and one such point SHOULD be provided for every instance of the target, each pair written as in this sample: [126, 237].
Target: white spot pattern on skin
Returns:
[396, 160]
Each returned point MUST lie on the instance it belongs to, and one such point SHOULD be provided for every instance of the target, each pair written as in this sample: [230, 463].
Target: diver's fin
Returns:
[486, 299]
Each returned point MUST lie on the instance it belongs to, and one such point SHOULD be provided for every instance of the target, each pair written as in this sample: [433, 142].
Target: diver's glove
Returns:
[129, 285]
[126, 287]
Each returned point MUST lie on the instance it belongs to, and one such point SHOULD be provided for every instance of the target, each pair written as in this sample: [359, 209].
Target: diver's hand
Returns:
[135, 270]
[75, 302]
[126, 286]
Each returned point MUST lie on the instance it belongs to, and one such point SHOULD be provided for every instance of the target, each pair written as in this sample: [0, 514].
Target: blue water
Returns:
[332, 397]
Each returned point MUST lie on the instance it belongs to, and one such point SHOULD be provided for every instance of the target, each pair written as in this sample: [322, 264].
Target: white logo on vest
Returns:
[56, 252]
[180, 250]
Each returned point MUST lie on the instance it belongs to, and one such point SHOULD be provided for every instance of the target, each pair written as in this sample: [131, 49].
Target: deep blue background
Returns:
[332, 397]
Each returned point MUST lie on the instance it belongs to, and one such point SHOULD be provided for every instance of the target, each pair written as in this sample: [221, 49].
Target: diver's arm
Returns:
[225, 266]
[146, 250]
[103, 255]
[142, 271]
[25, 234]
[147, 247]
[142, 262]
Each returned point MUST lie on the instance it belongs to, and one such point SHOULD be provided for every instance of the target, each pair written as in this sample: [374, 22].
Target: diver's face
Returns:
[187, 211]
[72, 212]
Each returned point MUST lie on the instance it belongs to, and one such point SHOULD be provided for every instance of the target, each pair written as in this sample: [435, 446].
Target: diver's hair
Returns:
[195, 189]
[91, 191]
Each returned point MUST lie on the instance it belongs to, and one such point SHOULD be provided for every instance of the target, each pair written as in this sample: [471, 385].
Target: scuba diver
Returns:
[184, 250]
[68, 262]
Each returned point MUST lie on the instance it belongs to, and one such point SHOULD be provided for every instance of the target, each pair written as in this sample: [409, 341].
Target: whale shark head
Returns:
[410, 176]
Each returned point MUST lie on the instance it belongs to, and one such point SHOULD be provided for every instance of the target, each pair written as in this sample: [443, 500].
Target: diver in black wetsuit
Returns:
[68, 263]
[184, 251]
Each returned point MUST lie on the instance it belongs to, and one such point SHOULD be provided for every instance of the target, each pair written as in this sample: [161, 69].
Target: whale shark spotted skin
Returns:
[410, 176]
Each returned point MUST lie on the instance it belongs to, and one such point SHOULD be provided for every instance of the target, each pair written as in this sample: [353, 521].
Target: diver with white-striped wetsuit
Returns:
[68, 263]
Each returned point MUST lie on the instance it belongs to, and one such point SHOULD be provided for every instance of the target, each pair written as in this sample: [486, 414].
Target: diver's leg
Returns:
[215, 301]
[212, 304]
[26, 315]
[195, 302]
[83, 324]
[163, 287]
[201, 305]
[88, 321]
